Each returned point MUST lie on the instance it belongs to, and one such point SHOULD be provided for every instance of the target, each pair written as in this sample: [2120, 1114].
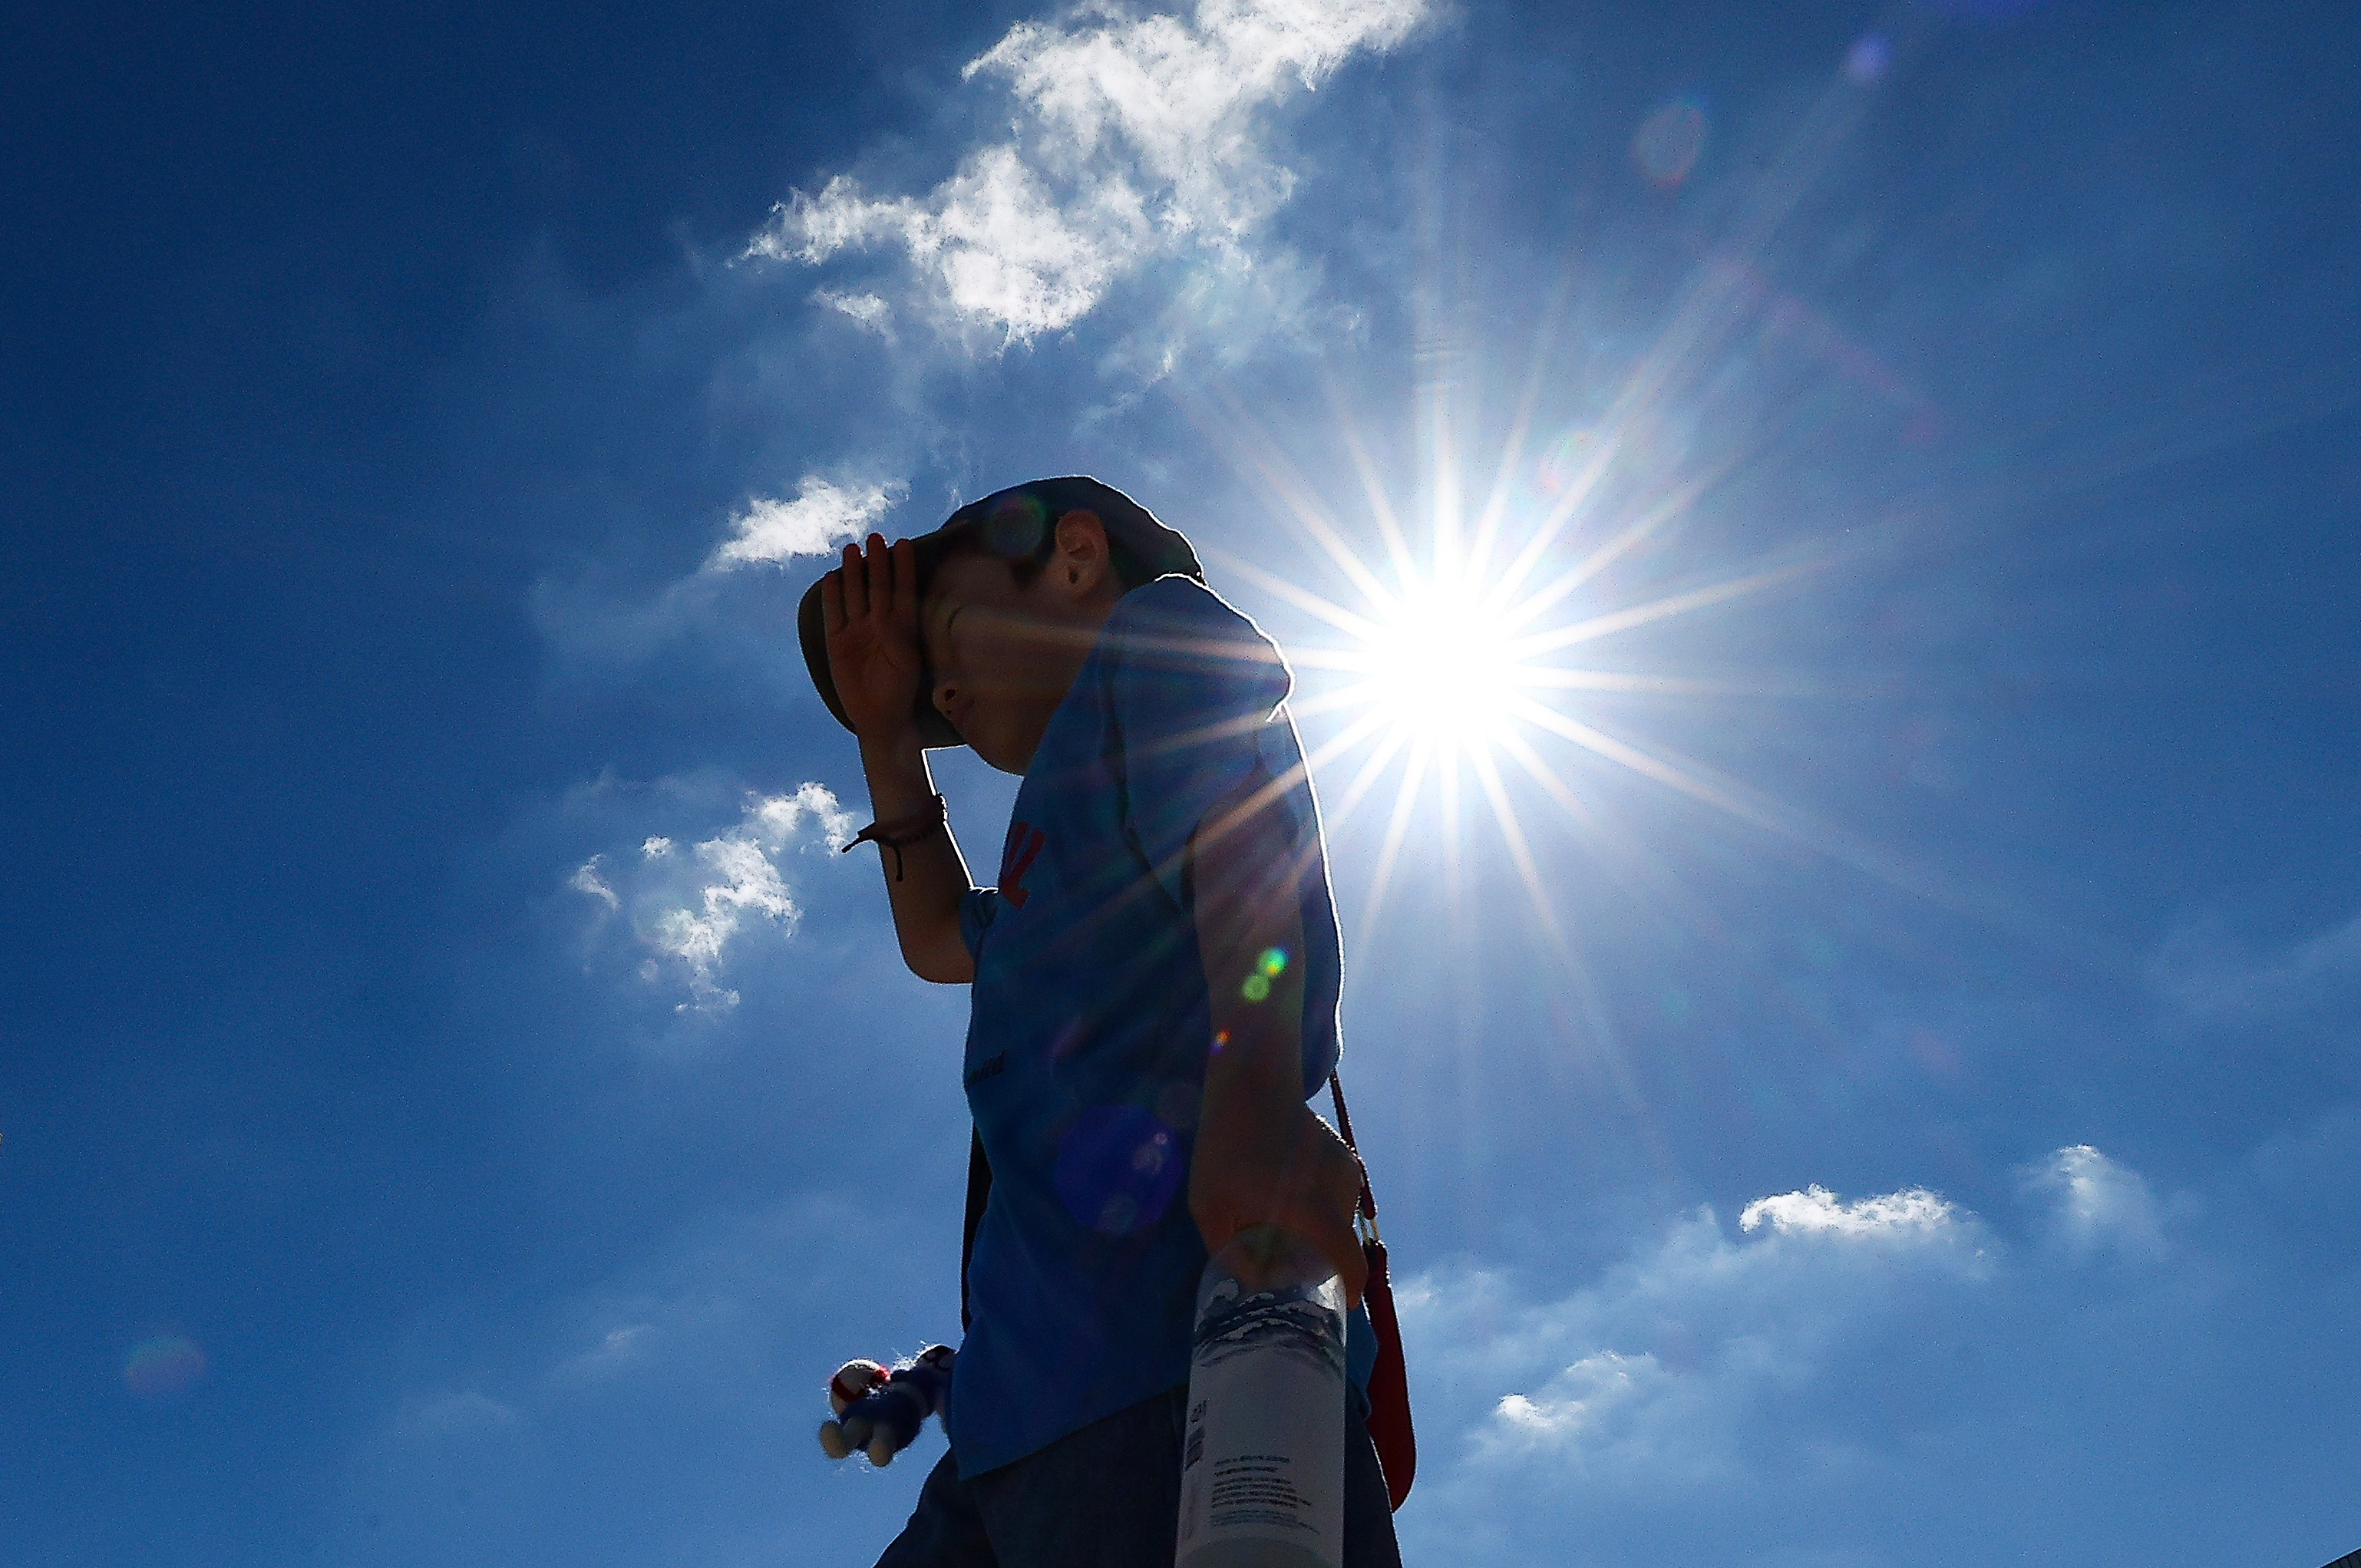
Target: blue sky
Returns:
[1858, 1057]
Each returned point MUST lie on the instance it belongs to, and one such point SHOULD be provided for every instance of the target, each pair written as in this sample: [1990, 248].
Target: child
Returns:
[1137, 1071]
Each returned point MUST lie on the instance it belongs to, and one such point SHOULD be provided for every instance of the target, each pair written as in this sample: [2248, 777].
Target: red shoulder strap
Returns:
[1390, 1422]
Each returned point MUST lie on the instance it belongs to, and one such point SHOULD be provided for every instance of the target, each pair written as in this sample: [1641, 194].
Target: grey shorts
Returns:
[1109, 1496]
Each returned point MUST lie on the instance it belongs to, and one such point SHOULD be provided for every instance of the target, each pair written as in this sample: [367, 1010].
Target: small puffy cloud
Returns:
[822, 516]
[1817, 1211]
[2097, 1203]
[1136, 138]
[686, 910]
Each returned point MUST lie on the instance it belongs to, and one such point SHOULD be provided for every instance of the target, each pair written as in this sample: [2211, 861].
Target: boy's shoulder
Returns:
[1178, 624]
[1174, 641]
[1173, 597]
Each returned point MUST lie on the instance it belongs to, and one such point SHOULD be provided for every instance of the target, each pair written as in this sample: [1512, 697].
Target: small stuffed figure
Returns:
[881, 1412]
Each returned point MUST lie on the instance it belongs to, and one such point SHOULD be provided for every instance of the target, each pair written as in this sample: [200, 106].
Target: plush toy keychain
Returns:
[879, 1412]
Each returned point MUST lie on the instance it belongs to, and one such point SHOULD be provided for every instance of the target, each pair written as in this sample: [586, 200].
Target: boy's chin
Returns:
[1004, 761]
[1008, 754]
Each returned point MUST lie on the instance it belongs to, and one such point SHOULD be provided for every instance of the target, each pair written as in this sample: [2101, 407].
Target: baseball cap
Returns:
[1014, 524]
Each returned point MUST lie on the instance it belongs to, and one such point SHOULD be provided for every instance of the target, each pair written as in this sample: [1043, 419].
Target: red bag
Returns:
[1389, 1424]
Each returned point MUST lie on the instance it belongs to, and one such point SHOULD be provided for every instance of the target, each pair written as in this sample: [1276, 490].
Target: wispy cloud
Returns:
[1654, 1370]
[822, 516]
[2097, 1203]
[2210, 975]
[684, 909]
[1135, 137]
[1822, 1346]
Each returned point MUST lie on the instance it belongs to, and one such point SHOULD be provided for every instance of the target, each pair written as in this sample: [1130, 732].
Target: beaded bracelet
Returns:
[909, 829]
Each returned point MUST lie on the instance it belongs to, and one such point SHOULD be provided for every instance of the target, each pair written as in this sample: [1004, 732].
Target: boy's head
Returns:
[1013, 590]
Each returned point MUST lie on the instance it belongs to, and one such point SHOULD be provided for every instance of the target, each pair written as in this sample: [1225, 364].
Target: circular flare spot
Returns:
[166, 1363]
[1117, 1168]
[1868, 58]
[1667, 143]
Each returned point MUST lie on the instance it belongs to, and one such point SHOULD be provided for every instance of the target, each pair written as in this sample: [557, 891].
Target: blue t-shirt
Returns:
[1089, 1026]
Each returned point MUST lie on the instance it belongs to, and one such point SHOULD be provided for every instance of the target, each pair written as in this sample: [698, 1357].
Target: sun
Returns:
[1451, 683]
[1441, 667]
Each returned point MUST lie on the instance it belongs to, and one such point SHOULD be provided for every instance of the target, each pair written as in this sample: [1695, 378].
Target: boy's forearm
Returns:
[1261, 1156]
[926, 896]
[1257, 1053]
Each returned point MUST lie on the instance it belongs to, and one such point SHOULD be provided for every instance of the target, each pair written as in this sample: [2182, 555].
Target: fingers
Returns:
[879, 568]
[905, 578]
[856, 585]
[831, 602]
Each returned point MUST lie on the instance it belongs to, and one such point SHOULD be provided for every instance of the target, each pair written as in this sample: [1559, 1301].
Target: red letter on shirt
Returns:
[1024, 843]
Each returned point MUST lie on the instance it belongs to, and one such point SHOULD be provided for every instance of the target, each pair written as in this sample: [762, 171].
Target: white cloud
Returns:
[586, 880]
[821, 517]
[1136, 138]
[1817, 1210]
[1581, 1402]
[689, 910]
[2097, 1202]
[868, 310]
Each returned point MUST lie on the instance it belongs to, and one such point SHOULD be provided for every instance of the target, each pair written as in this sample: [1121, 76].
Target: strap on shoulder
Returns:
[1345, 1130]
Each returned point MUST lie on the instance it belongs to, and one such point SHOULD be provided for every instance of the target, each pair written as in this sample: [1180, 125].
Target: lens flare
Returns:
[1867, 58]
[1667, 143]
[166, 1363]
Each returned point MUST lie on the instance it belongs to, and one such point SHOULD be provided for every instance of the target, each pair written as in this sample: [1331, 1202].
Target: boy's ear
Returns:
[1081, 562]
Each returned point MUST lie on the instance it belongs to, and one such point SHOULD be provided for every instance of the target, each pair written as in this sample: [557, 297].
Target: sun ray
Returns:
[1447, 789]
[1494, 511]
[1553, 523]
[1512, 832]
[1668, 685]
[1413, 775]
[1381, 506]
[1372, 768]
[1641, 762]
[1245, 444]
[1597, 561]
[1749, 806]
[1599, 626]
[1543, 774]
[1303, 599]
[1343, 741]
[1360, 695]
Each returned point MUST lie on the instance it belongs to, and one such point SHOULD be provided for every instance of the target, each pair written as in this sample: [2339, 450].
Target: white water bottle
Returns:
[1262, 1477]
